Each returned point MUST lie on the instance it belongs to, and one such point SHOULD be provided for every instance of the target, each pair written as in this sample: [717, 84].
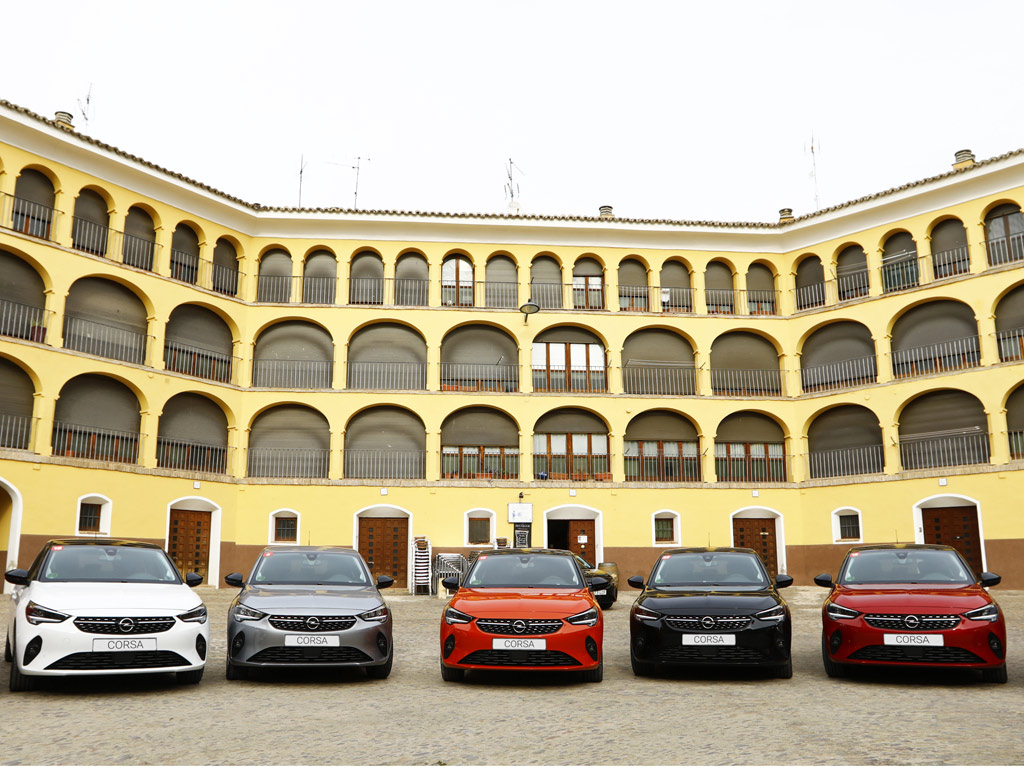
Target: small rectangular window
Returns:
[849, 526]
[664, 529]
[285, 529]
[89, 518]
[479, 530]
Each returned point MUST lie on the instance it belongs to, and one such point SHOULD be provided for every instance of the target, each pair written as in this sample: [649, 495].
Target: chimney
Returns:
[63, 120]
[785, 214]
[964, 159]
[606, 212]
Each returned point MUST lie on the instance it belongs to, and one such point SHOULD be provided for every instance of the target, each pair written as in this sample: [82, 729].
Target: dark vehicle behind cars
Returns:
[607, 596]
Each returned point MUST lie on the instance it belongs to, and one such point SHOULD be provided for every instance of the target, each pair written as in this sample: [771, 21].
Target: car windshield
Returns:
[330, 568]
[709, 569]
[905, 566]
[93, 562]
[583, 563]
[526, 570]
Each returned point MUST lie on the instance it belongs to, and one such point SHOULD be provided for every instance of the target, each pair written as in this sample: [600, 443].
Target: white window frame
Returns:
[272, 527]
[837, 535]
[676, 528]
[478, 513]
[106, 513]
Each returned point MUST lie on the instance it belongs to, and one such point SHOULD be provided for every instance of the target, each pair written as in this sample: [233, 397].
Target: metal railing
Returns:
[86, 442]
[479, 462]
[951, 262]
[675, 300]
[23, 321]
[1005, 250]
[844, 462]
[288, 462]
[458, 293]
[560, 378]
[951, 448]
[172, 453]
[368, 375]
[411, 292]
[634, 298]
[587, 296]
[854, 284]
[135, 251]
[746, 382]
[184, 266]
[89, 237]
[27, 217]
[367, 290]
[646, 462]
[811, 296]
[570, 466]
[750, 462]
[846, 373]
[952, 355]
[385, 464]
[293, 374]
[720, 301]
[15, 431]
[547, 295]
[196, 361]
[1011, 344]
[274, 289]
[102, 340]
[1016, 438]
[473, 377]
[479, 293]
[901, 272]
[191, 269]
[658, 377]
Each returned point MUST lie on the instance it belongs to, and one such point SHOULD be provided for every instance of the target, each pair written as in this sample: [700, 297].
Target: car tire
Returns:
[997, 675]
[641, 668]
[595, 675]
[8, 656]
[452, 675]
[784, 671]
[234, 672]
[606, 605]
[381, 671]
[191, 677]
[832, 668]
[20, 682]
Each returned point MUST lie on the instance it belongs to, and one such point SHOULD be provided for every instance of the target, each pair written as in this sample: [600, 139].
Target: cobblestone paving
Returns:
[413, 718]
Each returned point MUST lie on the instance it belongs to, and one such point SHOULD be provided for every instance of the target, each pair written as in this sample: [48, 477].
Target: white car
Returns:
[104, 607]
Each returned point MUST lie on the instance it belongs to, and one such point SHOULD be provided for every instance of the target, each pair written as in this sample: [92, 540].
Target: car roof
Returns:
[527, 551]
[868, 547]
[297, 548]
[698, 550]
[101, 543]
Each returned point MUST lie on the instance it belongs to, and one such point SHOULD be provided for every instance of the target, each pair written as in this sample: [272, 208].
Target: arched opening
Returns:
[289, 441]
[657, 361]
[198, 343]
[569, 359]
[1004, 234]
[501, 283]
[953, 521]
[192, 435]
[97, 418]
[381, 534]
[810, 283]
[10, 528]
[945, 428]
[285, 527]
[274, 281]
[762, 530]
[661, 447]
[185, 254]
[105, 319]
[479, 443]
[32, 210]
[744, 364]
[387, 356]
[320, 278]
[845, 440]
[666, 529]
[900, 269]
[546, 282]
[936, 337]
[385, 442]
[457, 281]
[762, 298]
[846, 526]
[293, 354]
[633, 293]
[719, 295]
[676, 293]
[138, 243]
[193, 537]
[837, 356]
[224, 276]
[750, 448]
[90, 228]
[466, 355]
[17, 396]
[571, 444]
[22, 300]
[366, 279]
[1015, 423]
[412, 280]
[950, 255]
[576, 528]
[1009, 325]
[852, 273]
[587, 284]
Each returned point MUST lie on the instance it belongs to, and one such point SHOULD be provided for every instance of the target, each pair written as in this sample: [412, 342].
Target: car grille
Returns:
[533, 626]
[729, 654]
[722, 623]
[898, 621]
[108, 625]
[120, 660]
[291, 655]
[917, 655]
[520, 659]
[298, 623]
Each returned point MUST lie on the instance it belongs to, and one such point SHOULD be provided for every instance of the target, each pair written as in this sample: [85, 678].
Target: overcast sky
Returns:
[662, 109]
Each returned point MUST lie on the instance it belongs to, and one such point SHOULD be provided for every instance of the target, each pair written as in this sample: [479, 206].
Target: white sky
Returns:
[677, 110]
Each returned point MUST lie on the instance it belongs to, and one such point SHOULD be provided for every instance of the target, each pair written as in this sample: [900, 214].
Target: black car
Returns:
[605, 597]
[710, 607]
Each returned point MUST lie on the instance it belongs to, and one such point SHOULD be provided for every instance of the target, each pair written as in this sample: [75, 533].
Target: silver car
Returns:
[309, 607]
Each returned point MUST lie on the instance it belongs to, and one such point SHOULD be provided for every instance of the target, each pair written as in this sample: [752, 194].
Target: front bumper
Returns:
[258, 644]
[763, 643]
[972, 644]
[572, 647]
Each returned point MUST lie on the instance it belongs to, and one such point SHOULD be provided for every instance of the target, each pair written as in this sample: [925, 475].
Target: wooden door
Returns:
[586, 549]
[955, 527]
[384, 544]
[188, 541]
[758, 534]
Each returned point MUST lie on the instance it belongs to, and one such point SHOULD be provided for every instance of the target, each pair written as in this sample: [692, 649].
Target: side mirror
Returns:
[19, 576]
[383, 582]
[987, 579]
[782, 581]
[824, 580]
[636, 582]
[234, 580]
[193, 579]
[450, 583]
[599, 582]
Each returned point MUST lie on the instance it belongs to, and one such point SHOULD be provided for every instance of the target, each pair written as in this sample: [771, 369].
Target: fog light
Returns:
[35, 645]
[201, 647]
[237, 642]
[995, 644]
[591, 647]
[449, 646]
[835, 641]
[382, 643]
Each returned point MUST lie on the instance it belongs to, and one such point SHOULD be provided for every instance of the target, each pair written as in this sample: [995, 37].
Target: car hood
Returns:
[682, 601]
[516, 603]
[314, 599]
[899, 598]
[109, 598]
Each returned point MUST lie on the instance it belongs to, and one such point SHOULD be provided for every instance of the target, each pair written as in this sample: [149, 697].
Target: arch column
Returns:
[976, 246]
[873, 263]
[702, 370]
[156, 330]
[526, 457]
[891, 448]
[162, 249]
[617, 457]
[707, 460]
[790, 367]
[797, 446]
[335, 464]
[43, 409]
[389, 263]
[149, 427]
[61, 232]
[614, 372]
[434, 368]
[433, 457]
[611, 299]
[295, 284]
[526, 367]
[233, 466]
[987, 339]
[998, 436]
[787, 295]
[243, 362]
[700, 305]
[883, 360]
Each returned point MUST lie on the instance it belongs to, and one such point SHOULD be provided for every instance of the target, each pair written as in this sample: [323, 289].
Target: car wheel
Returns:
[784, 671]
[234, 672]
[381, 671]
[606, 604]
[641, 668]
[595, 675]
[20, 682]
[7, 649]
[832, 668]
[997, 675]
[191, 677]
[452, 675]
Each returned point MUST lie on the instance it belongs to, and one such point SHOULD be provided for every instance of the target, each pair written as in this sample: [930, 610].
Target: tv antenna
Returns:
[359, 161]
[85, 107]
[814, 172]
[512, 187]
[302, 169]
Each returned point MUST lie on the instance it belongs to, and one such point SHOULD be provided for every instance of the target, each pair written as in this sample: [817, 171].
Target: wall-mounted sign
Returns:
[521, 535]
[520, 512]
[581, 539]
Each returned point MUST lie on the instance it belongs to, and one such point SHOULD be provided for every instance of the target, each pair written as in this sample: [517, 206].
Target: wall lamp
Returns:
[529, 308]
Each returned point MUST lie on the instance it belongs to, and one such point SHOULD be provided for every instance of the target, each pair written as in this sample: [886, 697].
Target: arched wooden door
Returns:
[384, 545]
[758, 534]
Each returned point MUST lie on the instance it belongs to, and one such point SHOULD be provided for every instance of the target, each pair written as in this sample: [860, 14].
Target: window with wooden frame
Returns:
[286, 529]
[479, 530]
[480, 462]
[750, 462]
[587, 292]
[89, 517]
[849, 526]
[578, 456]
[664, 529]
[662, 460]
[457, 282]
[569, 367]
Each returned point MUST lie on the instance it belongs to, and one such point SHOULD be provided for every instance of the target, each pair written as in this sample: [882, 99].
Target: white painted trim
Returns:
[201, 504]
[836, 537]
[385, 510]
[478, 512]
[940, 500]
[578, 512]
[272, 528]
[14, 535]
[780, 530]
[676, 528]
[106, 514]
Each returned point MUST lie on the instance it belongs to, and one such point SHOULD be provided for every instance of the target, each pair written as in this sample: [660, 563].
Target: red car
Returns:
[523, 609]
[911, 605]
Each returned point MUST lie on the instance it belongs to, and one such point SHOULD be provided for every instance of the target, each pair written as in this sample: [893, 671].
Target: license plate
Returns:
[601, 592]
[313, 641]
[107, 644]
[911, 641]
[519, 644]
[709, 640]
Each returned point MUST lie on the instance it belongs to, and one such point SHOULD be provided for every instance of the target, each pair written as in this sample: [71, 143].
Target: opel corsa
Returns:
[523, 609]
[104, 607]
[912, 605]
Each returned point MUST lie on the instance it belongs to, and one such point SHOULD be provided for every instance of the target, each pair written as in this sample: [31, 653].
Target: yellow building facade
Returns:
[184, 367]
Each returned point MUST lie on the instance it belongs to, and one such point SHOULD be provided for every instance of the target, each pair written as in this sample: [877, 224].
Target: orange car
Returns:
[523, 609]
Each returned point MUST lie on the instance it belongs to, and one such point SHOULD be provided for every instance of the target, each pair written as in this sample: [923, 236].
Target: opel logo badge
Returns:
[313, 623]
[519, 626]
[708, 622]
[912, 622]
[126, 625]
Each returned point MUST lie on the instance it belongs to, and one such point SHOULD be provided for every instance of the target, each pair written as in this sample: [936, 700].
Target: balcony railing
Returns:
[647, 462]
[289, 462]
[89, 237]
[385, 464]
[846, 373]
[15, 431]
[319, 290]
[293, 374]
[22, 321]
[184, 266]
[547, 295]
[953, 355]
[274, 289]
[843, 462]
[400, 291]
[846, 287]
[1005, 250]
[587, 296]
[472, 377]
[568, 466]
[172, 453]
[189, 268]
[750, 462]
[1016, 437]
[386, 375]
[951, 262]
[27, 217]
[952, 448]
[811, 296]
[100, 240]
[196, 361]
[721, 301]
[655, 377]
[634, 298]
[1011, 344]
[462, 462]
[479, 293]
[86, 442]
[746, 382]
[136, 251]
[901, 272]
[104, 340]
[559, 378]
[675, 300]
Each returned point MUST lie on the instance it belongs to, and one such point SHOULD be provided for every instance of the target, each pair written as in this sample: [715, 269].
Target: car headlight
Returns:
[988, 612]
[645, 613]
[838, 612]
[245, 613]
[36, 614]
[451, 616]
[587, 618]
[377, 614]
[773, 615]
[198, 615]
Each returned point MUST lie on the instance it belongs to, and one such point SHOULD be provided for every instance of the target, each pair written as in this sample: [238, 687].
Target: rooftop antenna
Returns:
[355, 195]
[302, 169]
[814, 172]
[512, 188]
[85, 107]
